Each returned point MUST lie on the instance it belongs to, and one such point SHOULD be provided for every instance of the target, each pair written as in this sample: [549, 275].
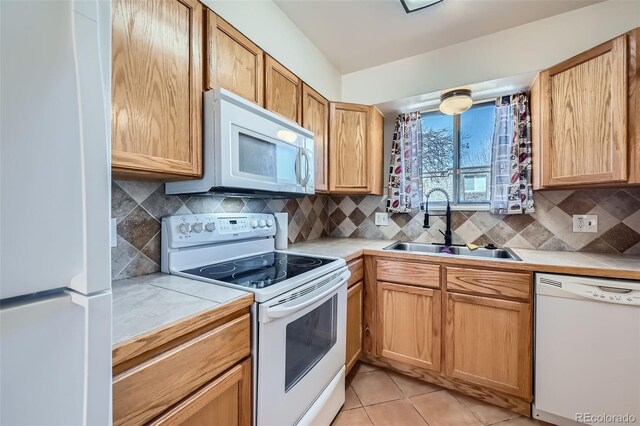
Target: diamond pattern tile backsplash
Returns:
[549, 228]
[139, 206]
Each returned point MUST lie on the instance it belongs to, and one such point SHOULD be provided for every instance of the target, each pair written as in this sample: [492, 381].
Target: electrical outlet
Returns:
[382, 219]
[585, 223]
[114, 233]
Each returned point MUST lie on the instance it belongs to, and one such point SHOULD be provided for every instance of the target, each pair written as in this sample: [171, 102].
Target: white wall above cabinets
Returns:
[514, 51]
[266, 25]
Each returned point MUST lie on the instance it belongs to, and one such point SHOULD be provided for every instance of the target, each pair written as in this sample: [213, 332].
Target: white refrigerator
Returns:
[55, 273]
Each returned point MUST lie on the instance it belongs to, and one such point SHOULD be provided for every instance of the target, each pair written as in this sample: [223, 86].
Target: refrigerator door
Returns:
[56, 360]
[54, 152]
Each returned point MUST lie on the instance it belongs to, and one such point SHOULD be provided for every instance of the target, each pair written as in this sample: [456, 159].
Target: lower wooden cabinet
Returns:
[225, 401]
[488, 342]
[354, 324]
[195, 371]
[408, 326]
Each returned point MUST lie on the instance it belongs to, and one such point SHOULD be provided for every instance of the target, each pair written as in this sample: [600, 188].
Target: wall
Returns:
[268, 27]
[549, 228]
[139, 206]
[514, 51]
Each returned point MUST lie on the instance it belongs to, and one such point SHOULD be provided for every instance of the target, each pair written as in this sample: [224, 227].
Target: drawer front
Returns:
[414, 273]
[513, 285]
[145, 391]
[356, 267]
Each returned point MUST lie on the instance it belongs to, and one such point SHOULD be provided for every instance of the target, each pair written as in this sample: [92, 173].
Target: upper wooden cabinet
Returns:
[315, 117]
[157, 89]
[582, 112]
[488, 342]
[355, 149]
[283, 90]
[233, 61]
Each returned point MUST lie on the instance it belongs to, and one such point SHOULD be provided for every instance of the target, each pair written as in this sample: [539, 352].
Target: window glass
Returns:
[457, 154]
[437, 153]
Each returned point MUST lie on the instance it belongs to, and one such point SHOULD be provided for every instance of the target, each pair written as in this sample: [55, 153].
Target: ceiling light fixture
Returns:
[413, 5]
[455, 101]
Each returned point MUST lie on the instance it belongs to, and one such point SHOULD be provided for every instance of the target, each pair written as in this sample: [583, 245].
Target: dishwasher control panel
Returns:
[597, 289]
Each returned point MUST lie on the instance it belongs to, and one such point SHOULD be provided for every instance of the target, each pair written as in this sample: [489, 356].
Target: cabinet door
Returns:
[225, 401]
[283, 91]
[488, 342]
[584, 117]
[354, 324]
[157, 89]
[315, 117]
[409, 325]
[233, 61]
[349, 148]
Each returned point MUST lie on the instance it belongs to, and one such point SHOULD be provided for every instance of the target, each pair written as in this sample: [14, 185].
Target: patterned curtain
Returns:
[511, 191]
[405, 172]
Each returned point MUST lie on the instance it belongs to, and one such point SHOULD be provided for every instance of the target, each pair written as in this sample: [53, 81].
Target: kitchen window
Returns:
[456, 156]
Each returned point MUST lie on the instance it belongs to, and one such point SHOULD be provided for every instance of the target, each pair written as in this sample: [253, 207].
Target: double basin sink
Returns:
[454, 250]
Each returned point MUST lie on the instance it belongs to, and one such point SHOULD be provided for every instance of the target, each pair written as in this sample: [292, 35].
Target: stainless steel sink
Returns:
[497, 253]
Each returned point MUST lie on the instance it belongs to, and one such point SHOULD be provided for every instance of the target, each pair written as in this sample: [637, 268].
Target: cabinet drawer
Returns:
[512, 285]
[356, 267]
[148, 389]
[421, 274]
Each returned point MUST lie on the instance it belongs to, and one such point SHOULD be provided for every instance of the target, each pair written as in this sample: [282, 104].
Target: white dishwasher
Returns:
[587, 350]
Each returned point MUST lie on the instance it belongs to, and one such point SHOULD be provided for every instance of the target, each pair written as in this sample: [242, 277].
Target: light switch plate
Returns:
[114, 233]
[382, 219]
[585, 223]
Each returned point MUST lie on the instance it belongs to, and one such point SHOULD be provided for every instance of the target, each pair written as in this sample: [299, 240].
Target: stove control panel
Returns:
[199, 229]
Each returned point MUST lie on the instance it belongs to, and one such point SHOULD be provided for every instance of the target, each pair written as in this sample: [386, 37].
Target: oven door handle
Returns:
[285, 309]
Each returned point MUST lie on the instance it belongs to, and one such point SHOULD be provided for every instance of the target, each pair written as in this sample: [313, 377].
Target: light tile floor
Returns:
[375, 396]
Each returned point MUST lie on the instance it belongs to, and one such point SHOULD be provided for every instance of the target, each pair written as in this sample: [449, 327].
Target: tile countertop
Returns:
[145, 304]
[577, 263]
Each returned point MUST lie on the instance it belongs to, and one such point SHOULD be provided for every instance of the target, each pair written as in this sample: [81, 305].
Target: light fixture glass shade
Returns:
[413, 5]
[455, 101]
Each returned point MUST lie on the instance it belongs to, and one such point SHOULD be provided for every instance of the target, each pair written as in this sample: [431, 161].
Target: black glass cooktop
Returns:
[259, 271]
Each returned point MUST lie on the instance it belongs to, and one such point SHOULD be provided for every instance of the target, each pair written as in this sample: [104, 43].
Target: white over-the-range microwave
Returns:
[250, 151]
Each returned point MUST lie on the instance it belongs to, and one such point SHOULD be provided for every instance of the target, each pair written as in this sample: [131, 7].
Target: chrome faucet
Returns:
[447, 232]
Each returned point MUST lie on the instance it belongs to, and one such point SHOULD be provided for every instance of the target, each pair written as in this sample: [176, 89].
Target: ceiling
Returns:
[358, 34]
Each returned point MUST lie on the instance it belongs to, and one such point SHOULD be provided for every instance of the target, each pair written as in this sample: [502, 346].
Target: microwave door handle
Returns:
[305, 154]
[297, 167]
[285, 309]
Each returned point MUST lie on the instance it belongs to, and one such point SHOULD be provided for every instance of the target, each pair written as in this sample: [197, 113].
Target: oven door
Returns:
[301, 348]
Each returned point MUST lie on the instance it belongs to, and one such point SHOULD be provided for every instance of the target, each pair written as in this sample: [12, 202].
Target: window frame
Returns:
[468, 206]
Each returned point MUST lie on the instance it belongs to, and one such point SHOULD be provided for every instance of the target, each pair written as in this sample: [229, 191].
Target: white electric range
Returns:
[299, 319]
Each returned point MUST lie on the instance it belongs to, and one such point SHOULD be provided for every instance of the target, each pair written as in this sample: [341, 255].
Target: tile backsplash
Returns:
[549, 228]
[139, 206]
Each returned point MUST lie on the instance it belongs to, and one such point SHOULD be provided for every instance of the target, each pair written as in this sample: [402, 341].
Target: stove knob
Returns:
[198, 227]
[210, 227]
[185, 228]
[254, 223]
[269, 223]
[262, 223]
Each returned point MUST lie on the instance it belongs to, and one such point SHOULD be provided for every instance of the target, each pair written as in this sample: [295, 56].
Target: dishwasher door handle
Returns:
[615, 290]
